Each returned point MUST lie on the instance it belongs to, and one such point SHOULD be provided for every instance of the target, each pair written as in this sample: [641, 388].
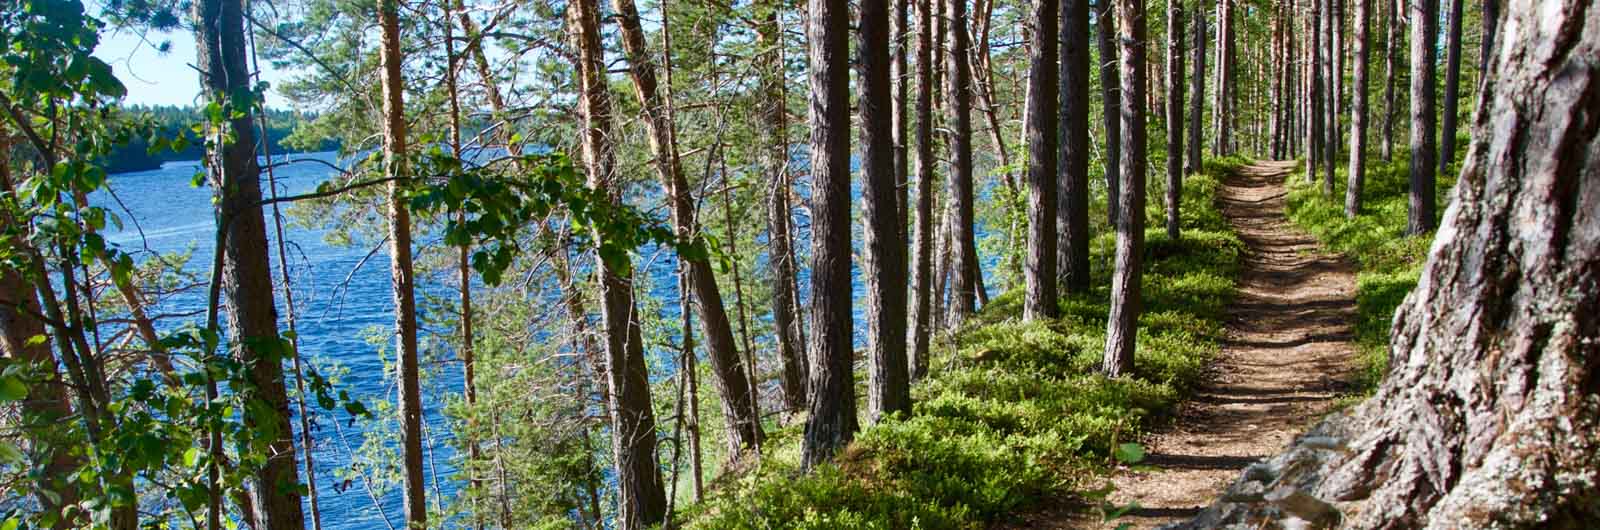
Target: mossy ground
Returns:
[1013, 412]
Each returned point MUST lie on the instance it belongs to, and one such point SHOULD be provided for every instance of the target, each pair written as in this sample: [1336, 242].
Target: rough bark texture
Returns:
[1197, 100]
[247, 294]
[922, 280]
[400, 269]
[1125, 297]
[1174, 114]
[1223, 110]
[1330, 95]
[959, 86]
[889, 384]
[641, 500]
[1491, 25]
[1111, 98]
[1452, 89]
[1358, 115]
[1424, 23]
[1488, 418]
[832, 423]
[900, 82]
[780, 235]
[738, 402]
[1039, 278]
[1072, 213]
[1314, 136]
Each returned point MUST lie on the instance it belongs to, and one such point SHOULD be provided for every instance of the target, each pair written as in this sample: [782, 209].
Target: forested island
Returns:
[172, 122]
[884, 264]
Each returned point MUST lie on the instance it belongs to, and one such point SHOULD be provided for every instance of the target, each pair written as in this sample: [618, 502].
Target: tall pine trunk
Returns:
[1391, 56]
[1111, 99]
[958, 85]
[641, 499]
[889, 381]
[1126, 302]
[1072, 213]
[832, 423]
[1197, 85]
[1425, 25]
[1452, 89]
[1488, 418]
[1174, 114]
[1358, 114]
[1039, 300]
[780, 234]
[923, 280]
[739, 407]
[246, 275]
[401, 273]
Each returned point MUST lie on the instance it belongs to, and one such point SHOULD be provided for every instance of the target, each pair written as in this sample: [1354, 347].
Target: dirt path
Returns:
[1287, 357]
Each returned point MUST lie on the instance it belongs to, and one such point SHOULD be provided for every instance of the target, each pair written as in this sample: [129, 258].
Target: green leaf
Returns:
[191, 457]
[9, 454]
[1129, 453]
[12, 389]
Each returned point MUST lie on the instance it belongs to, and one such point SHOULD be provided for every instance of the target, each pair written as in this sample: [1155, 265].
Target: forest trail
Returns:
[1287, 357]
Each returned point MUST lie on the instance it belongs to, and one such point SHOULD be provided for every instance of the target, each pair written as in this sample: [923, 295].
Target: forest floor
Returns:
[1288, 357]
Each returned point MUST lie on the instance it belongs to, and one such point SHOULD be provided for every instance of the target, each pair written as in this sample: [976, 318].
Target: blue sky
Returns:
[154, 78]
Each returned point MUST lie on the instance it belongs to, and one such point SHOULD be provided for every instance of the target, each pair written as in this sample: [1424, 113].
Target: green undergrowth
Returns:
[1390, 261]
[1013, 412]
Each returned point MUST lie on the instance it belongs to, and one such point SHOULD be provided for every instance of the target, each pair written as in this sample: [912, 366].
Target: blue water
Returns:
[337, 301]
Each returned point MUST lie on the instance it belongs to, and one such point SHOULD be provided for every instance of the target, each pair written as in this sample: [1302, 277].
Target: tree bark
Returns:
[1452, 89]
[1315, 138]
[1197, 85]
[401, 272]
[1039, 300]
[1489, 417]
[889, 381]
[1121, 327]
[1425, 23]
[1330, 96]
[641, 499]
[738, 404]
[900, 81]
[780, 238]
[246, 275]
[1224, 107]
[1358, 115]
[922, 281]
[832, 423]
[1491, 24]
[1111, 99]
[1174, 115]
[1072, 214]
[959, 86]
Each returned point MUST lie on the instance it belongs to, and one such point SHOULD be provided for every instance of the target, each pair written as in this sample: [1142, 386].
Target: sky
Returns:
[154, 78]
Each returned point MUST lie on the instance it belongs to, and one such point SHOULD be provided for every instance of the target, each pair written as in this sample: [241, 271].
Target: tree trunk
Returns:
[1224, 78]
[1121, 327]
[47, 403]
[1335, 80]
[1039, 280]
[1110, 97]
[889, 382]
[1314, 153]
[959, 86]
[1391, 56]
[1358, 115]
[246, 275]
[1491, 24]
[922, 281]
[641, 499]
[1197, 84]
[1425, 23]
[899, 81]
[1330, 96]
[1072, 214]
[738, 404]
[1452, 89]
[832, 423]
[400, 267]
[779, 234]
[1174, 115]
[1488, 418]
